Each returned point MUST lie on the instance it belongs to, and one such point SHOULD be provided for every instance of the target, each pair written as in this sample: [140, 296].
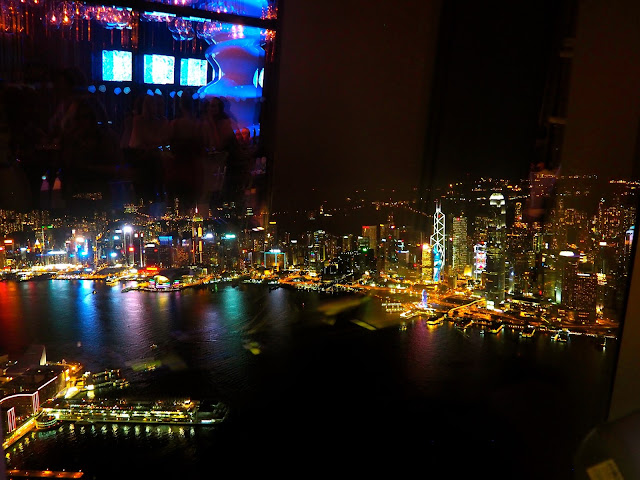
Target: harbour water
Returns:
[305, 391]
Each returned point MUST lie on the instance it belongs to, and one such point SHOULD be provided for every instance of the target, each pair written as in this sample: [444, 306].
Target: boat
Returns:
[601, 342]
[403, 327]
[47, 422]
[561, 337]
[495, 327]
[463, 323]
[528, 331]
[434, 320]
[410, 314]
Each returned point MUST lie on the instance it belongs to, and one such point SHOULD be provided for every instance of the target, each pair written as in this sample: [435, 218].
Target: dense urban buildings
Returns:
[579, 262]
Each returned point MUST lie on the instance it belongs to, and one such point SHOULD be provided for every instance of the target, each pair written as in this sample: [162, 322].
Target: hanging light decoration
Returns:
[52, 18]
[67, 14]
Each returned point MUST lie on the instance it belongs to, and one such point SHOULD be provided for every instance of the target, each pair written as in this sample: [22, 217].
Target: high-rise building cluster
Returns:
[488, 236]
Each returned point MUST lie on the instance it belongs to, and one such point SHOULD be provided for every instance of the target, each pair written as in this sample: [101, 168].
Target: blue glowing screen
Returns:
[159, 69]
[193, 72]
[117, 66]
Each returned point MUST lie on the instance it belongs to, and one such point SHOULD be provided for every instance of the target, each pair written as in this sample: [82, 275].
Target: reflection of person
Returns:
[128, 121]
[89, 149]
[542, 181]
[218, 130]
[183, 170]
[69, 85]
[14, 185]
[149, 127]
[221, 146]
[148, 136]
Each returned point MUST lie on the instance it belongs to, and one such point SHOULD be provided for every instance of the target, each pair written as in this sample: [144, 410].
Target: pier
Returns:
[42, 474]
[184, 412]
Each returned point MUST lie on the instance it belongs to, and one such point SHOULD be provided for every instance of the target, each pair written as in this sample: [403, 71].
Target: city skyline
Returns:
[500, 252]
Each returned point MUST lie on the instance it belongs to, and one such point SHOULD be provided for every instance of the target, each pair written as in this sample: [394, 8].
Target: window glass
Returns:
[235, 235]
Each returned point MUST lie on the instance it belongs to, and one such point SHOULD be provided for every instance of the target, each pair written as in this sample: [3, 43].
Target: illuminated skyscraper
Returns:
[460, 249]
[427, 262]
[479, 260]
[585, 296]
[494, 286]
[317, 251]
[196, 236]
[371, 232]
[438, 242]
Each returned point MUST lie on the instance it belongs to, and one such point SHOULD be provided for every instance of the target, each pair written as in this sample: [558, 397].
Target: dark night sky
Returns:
[356, 107]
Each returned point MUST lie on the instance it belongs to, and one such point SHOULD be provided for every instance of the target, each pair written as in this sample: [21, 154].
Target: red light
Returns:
[131, 249]
[1, 249]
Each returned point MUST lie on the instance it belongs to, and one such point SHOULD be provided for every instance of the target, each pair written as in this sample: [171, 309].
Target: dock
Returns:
[42, 474]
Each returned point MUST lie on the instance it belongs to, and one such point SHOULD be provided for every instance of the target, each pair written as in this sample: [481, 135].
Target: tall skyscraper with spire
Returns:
[438, 242]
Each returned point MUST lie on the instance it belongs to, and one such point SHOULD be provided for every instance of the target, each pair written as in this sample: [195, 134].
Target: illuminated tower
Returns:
[196, 236]
[437, 240]
[626, 255]
[460, 249]
[585, 296]
[371, 232]
[427, 262]
[479, 260]
[494, 283]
